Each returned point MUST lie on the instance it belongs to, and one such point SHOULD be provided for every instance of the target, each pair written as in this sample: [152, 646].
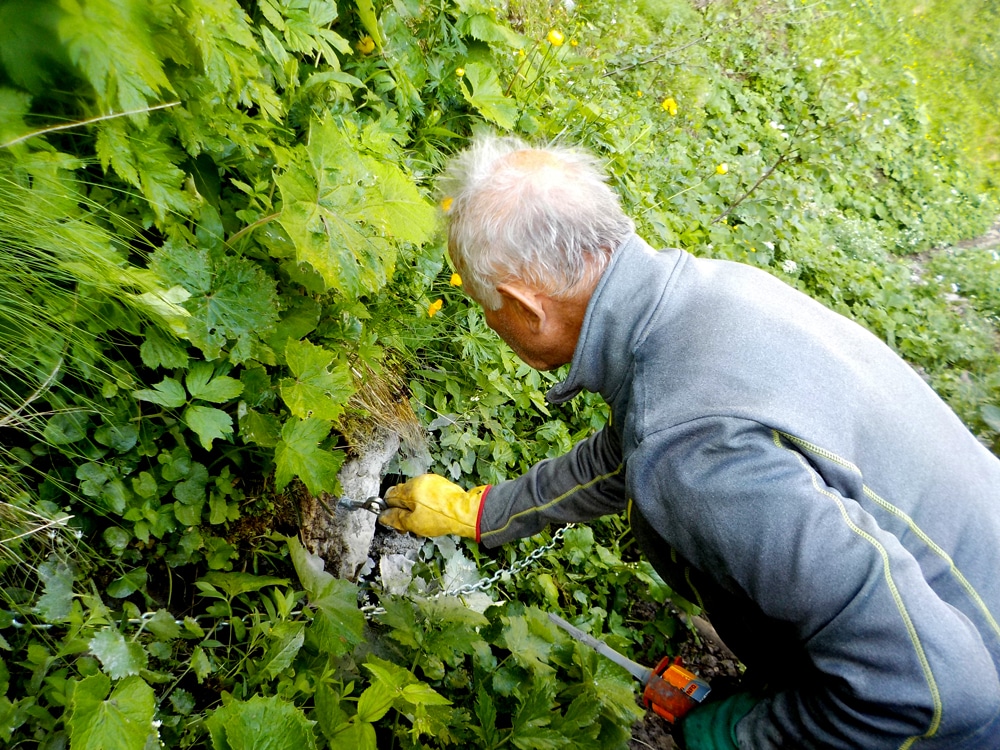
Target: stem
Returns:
[99, 118]
[660, 56]
[38, 392]
[250, 227]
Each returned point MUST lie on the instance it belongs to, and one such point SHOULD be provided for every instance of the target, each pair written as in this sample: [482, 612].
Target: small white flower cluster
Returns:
[789, 266]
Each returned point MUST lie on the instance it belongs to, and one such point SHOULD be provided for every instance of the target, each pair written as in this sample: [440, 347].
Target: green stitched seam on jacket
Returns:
[556, 501]
[910, 523]
[896, 596]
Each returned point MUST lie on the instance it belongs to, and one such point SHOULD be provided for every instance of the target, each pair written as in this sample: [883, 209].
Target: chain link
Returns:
[486, 584]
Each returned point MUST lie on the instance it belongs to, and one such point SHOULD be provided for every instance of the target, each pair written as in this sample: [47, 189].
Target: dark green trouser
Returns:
[768, 648]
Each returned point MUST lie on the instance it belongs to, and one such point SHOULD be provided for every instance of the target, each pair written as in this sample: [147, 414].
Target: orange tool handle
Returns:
[672, 690]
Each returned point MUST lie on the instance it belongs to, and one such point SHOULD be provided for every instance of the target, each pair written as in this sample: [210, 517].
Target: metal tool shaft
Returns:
[638, 671]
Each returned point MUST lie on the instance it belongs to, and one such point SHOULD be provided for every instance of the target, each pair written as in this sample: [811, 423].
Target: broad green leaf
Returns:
[325, 211]
[358, 735]
[298, 455]
[168, 392]
[234, 584]
[260, 429]
[123, 720]
[127, 584]
[366, 12]
[399, 209]
[285, 640]
[260, 724]
[208, 423]
[66, 427]
[200, 663]
[528, 649]
[375, 702]
[316, 390]
[120, 438]
[55, 603]
[420, 693]
[161, 350]
[218, 389]
[120, 658]
[481, 89]
[338, 624]
[232, 300]
[163, 625]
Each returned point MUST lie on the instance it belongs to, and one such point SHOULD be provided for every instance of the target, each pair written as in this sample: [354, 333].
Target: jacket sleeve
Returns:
[895, 664]
[581, 485]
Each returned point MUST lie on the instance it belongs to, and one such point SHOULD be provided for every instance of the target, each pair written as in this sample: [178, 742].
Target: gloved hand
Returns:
[712, 726]
[430, 505]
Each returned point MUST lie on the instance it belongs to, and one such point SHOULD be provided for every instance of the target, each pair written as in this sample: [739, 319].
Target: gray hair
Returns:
[542, 216]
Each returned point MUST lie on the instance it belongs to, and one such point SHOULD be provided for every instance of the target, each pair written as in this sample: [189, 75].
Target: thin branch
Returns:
[699, 40]
[250, 227]
[38, 392]
[99, 118]
[746, 195]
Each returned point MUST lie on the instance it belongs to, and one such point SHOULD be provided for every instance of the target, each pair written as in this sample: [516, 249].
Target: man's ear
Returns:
[525, 303]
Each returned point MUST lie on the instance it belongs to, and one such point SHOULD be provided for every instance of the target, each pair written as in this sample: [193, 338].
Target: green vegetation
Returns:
[217, 234]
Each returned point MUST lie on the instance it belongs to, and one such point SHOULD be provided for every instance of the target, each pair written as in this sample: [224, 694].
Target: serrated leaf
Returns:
[123, 720]
[285, 640]
[527, 648]
[160, 350]
[260, 429]
[168, 392]
[118, 657]
[481, 89]
[422, 694]
[260, 723]
[55, 604]
[208, 423]
[298, 455]
[232, 300]
[218, 389]
[325, 214]
[399, 209]
[338, 624]
[375, 702]
[163, 625]
[234, 584]
[200, 663]
[318, 389]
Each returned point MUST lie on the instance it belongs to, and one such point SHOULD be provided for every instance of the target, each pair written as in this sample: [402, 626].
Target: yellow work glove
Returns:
[430, 505]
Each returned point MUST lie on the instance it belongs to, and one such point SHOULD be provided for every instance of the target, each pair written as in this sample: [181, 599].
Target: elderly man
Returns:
[780, 465]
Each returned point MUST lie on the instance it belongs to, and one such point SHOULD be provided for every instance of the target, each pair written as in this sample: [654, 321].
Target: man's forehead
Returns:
[532, 159]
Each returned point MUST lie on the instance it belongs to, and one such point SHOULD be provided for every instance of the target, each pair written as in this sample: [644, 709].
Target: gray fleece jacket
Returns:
[792, 457]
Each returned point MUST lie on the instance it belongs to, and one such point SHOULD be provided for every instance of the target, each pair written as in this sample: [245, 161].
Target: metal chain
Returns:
[483, 585]
[486, 584]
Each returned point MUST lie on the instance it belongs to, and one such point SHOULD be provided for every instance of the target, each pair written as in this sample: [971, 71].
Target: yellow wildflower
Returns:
[555, 38]
[365, 45]
[460, 72]
[446, 204]
[455, 280]
[435, 307]
[722, 168]
[669, 105]
[573, 42]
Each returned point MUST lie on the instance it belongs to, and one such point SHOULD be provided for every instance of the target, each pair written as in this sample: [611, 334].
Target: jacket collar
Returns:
[616, 318]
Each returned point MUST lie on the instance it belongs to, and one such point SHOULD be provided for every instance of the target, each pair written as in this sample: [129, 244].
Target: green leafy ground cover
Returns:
[218, 231]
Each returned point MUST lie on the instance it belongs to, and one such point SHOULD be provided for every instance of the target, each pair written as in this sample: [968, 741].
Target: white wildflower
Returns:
[789, 266]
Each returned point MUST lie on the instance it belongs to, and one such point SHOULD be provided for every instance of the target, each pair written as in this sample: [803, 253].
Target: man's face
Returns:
[544, 346]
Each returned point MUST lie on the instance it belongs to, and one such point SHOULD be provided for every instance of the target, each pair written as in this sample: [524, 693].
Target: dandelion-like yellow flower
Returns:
[669, 105]
[573, 42]
[555, 38]
[446, 204]
[722, 168]
[460, 72]
[435, 307]
[455, 280]
[365, 45]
